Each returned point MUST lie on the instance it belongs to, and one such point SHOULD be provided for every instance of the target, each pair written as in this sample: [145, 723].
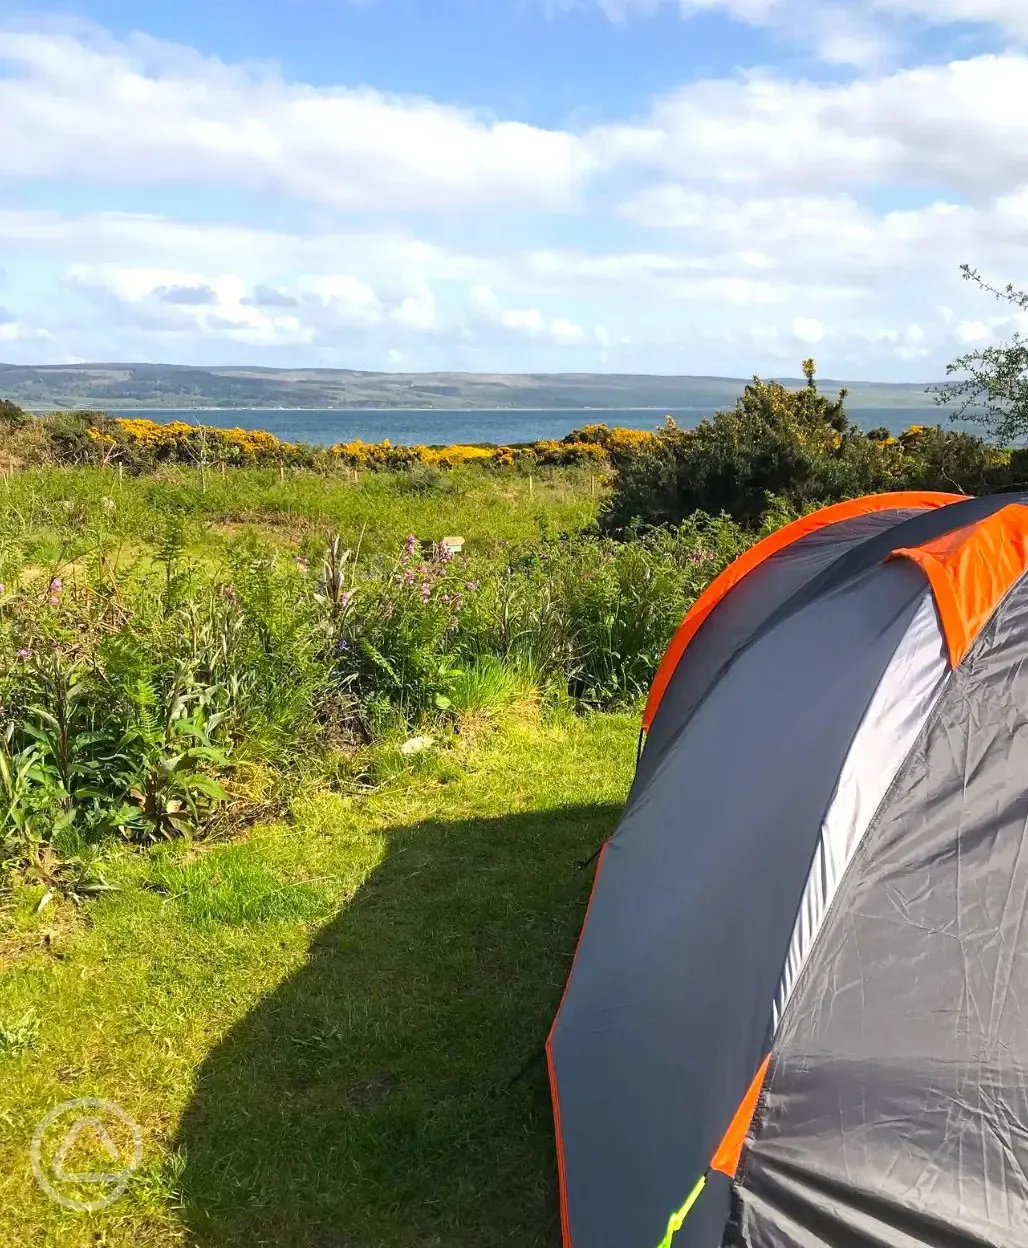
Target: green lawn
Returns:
[316, 1026]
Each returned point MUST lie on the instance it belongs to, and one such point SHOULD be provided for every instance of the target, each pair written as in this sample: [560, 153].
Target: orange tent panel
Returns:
[726, 1159]
[970, 570]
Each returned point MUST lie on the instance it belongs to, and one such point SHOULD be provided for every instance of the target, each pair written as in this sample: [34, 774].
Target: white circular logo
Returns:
[106, 1130]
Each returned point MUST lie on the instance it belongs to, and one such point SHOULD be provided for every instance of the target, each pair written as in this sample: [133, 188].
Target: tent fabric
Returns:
[787, 966]
[771, 545]
[769, 586]
[897, 1110]
[899, 710]
[970, 571]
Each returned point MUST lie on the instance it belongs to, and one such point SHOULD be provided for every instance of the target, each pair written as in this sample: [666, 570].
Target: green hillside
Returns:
[170, 386]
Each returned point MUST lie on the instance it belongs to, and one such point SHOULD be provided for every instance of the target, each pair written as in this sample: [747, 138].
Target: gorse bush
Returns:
[141, 445]
[798, 445]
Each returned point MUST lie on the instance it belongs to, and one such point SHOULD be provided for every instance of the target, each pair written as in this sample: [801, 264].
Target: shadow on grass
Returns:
[365, 1103]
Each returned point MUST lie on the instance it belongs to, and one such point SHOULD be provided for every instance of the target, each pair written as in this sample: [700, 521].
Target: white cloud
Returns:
[486, 307]
[850, 32]
[973, 331]
[139, 110]
[940, 125]
[19, 331]
[807, 329]
[1009, 15]
[222, 305]
[567, 331]
[418, 311]
[749, 215]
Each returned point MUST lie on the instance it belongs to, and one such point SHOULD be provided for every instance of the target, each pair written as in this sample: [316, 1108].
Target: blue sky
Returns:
[699, 186]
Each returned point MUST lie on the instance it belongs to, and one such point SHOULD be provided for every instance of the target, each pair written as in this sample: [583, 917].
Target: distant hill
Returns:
[155, 386]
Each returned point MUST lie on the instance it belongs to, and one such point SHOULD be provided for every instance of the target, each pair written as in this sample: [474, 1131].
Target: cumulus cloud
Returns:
[851, 32]
[807, 329]
[139, 296]
[1009, 15]
[141, 110]
[938, 125]
[187, 296]
[486, 307]
[750, 219]
[270, 297]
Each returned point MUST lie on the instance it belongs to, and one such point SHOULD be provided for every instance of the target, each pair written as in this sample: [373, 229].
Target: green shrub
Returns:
[797, 445]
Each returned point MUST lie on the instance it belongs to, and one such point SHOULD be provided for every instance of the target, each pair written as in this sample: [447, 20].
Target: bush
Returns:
[12, 416]
[796, 445]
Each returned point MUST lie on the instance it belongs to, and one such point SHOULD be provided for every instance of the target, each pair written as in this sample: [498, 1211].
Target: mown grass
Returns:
[316, 1026]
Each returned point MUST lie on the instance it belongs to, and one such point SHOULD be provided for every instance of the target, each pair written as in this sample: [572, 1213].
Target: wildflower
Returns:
[342, 645]
[426, 592]
[23, 653]
[410, 546]
[231, 597]
[472, 587]
[3, 588]
[408, 577]
[56, 585]
[346, 598]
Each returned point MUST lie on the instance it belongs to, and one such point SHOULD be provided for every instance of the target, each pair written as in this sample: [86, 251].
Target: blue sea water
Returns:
[406, 426]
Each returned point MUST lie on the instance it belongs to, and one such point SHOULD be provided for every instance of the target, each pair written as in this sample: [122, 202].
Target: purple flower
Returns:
[3, 588]
[56, 585]
[24, 654]
[346, 598]
[230, 595]
[472, 587]
[410, 546]
[408, 577]
[342, 645]
[426, 592]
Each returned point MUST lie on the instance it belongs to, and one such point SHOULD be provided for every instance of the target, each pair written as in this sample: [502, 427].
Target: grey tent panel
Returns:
[896, 1111]
[738, 617]
[668, 1009]
[806, 569]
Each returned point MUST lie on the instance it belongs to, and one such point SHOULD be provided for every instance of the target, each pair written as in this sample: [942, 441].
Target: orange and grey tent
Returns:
[798, 1010]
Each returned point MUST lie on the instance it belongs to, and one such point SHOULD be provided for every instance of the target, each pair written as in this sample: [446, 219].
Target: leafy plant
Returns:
[20, 1035]
[168, 755]
[994, 387]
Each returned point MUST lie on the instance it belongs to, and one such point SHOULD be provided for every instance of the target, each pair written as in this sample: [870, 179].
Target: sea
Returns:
[437, 427]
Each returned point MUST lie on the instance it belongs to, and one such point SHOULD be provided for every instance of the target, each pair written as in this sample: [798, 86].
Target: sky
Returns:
[712, 187]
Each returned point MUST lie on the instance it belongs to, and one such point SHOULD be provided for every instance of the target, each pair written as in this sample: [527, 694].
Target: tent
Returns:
[797, 1014]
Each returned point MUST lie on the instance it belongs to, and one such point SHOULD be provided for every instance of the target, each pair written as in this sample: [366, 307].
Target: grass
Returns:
[59, 513]
[316, 1026]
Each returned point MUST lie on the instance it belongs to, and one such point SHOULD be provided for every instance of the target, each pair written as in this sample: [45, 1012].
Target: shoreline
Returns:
[354, 411]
